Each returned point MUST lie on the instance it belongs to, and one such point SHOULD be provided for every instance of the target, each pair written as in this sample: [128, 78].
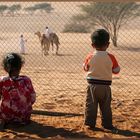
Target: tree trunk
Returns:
[114, 38]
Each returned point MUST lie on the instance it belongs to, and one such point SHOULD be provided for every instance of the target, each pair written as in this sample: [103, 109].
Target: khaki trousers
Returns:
[98, 95]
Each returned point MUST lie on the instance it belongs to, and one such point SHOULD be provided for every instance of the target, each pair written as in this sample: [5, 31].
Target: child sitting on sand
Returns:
[16, 91]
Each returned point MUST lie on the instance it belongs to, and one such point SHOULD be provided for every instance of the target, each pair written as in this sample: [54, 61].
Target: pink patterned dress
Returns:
[17, 98]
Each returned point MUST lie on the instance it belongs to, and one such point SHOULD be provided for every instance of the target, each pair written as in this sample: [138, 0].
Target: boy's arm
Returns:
[86, 62]
[115, 67]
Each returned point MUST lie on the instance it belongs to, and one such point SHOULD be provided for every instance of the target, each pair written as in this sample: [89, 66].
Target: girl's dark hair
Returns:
[12, 62]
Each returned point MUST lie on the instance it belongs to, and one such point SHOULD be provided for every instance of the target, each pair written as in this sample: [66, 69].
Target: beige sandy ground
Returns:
[60, 86]
[59, 81]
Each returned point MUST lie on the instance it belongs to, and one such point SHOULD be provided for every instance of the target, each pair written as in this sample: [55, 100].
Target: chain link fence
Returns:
[59, 80]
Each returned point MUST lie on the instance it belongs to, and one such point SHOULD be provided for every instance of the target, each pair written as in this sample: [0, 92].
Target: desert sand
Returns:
[59, 80]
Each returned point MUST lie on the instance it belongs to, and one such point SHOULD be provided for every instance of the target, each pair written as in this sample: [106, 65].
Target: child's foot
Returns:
[110, 128]
[88, 127]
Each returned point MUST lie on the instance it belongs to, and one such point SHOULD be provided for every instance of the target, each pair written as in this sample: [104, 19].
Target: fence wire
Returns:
[59, 80]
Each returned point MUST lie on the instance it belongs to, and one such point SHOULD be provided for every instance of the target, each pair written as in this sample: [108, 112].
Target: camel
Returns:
[45, 43]
[53, 38]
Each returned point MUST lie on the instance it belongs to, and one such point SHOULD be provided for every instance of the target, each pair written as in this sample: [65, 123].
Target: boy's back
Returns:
[100, 65]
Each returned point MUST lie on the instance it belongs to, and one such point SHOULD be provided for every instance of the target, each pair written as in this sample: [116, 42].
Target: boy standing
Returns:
[99, 67]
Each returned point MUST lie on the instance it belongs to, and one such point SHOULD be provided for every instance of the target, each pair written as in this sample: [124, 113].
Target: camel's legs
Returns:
[57, 48]
[42, 49]
[45, 52]
[52, 45]
[46, 49]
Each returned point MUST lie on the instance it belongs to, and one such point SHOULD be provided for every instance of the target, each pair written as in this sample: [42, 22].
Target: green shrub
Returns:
[76, 28]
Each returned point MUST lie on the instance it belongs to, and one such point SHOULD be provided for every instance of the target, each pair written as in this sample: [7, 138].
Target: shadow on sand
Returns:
[126, 133]
[64, 54]
[42, 131]
[131, 49]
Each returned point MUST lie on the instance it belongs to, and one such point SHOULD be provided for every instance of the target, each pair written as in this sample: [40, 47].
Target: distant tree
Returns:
[14, 8]
[111, 16]
[3, 8]
[42, 6]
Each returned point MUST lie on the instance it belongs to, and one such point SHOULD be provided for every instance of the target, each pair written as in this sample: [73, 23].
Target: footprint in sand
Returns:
[49, 105]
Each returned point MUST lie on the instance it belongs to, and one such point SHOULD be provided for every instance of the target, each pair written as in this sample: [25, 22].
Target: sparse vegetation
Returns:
[10, 9]
[43, 7]
[111, 16]
[14, 8]
[3, 8]
[77, 28]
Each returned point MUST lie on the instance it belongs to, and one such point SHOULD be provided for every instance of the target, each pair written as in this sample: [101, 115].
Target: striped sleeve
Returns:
[86, 62]
[115, 67]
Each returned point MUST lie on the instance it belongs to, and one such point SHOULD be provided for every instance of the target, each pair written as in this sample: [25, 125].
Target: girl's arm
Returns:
[0, 88]
[32, 91]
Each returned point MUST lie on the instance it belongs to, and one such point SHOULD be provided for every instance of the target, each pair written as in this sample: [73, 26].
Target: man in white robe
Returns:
[48, 31]
[22, 44]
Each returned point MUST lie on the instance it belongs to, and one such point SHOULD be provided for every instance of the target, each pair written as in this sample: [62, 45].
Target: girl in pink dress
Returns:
[16, 91]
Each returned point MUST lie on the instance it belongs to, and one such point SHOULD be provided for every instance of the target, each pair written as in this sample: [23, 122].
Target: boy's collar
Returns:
[97, 51]
[100, 52]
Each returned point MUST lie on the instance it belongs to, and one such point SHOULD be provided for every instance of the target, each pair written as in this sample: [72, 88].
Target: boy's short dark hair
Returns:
[12, 61]
[100, 38]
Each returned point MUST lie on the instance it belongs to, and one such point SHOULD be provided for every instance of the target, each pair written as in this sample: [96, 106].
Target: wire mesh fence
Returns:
[59, 80]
